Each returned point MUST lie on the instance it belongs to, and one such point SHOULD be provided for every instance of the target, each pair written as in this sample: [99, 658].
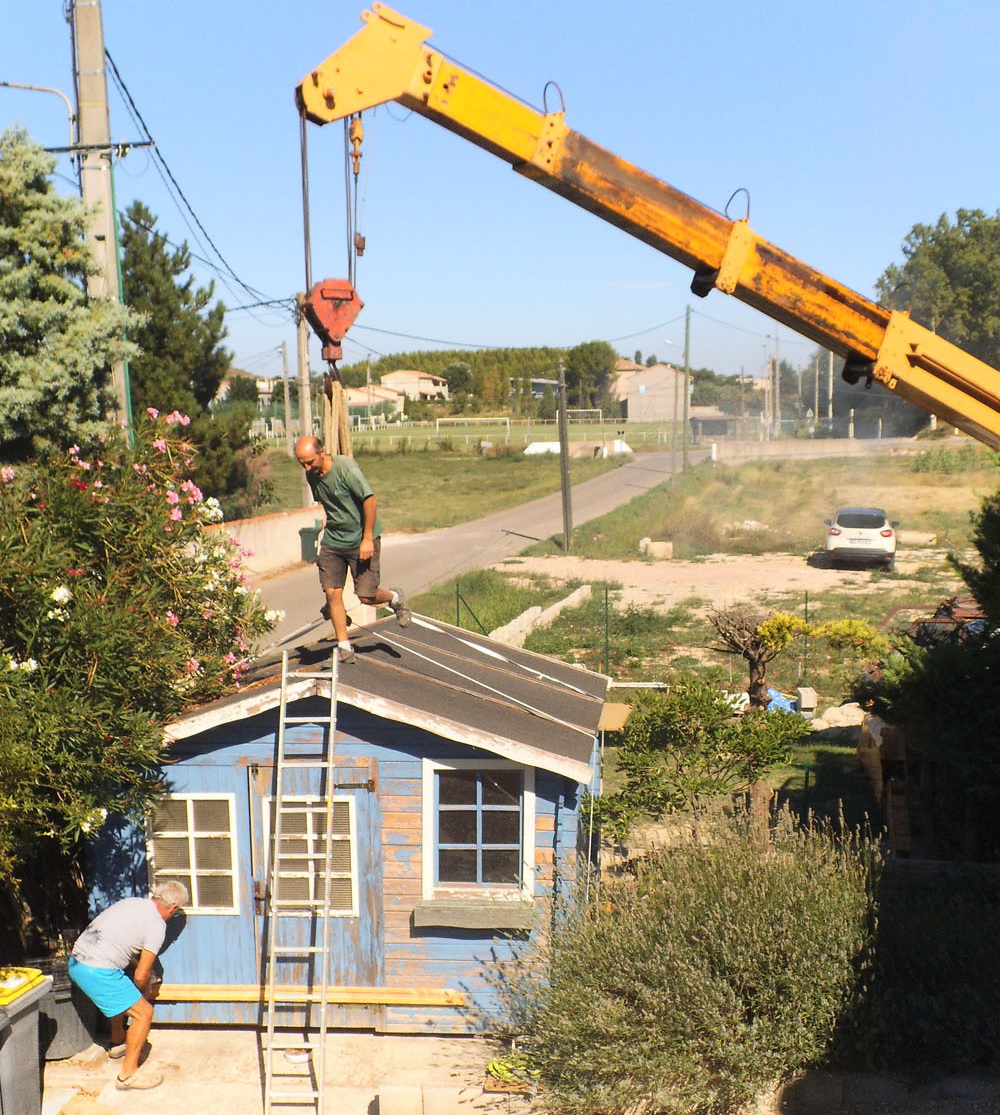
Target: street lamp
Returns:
[55, 92]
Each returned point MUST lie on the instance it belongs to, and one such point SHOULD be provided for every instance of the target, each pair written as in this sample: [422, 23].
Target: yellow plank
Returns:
[375, 996]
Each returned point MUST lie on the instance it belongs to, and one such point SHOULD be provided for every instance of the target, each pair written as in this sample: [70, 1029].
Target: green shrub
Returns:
[718, 970]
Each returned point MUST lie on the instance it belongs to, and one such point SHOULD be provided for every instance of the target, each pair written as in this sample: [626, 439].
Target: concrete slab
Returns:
[211, 1069]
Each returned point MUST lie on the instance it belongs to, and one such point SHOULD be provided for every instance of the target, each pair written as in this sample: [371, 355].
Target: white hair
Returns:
[172, 893]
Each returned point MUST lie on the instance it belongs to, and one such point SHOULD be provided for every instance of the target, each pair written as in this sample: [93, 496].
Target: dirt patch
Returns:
[722, 580]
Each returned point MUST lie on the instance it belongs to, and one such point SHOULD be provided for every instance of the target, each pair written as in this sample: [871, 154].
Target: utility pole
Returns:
[777, 385]
[687, 386]
[96, 185]
[288, 399]
[567, 507]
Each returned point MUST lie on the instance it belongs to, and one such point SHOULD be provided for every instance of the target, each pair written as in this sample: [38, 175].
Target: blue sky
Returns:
[848, 122]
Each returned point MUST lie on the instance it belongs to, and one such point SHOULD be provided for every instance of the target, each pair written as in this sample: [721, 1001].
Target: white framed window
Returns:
[303, 827]
[478, 829]
[192, 838]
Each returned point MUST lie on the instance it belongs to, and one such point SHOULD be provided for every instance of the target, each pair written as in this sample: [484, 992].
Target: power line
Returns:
[176, 189]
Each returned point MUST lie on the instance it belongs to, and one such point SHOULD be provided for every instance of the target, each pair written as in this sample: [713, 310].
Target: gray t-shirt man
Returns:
[116, 937]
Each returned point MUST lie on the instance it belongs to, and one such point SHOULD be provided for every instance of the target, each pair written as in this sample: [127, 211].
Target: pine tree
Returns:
[183, 361]
[57, 345]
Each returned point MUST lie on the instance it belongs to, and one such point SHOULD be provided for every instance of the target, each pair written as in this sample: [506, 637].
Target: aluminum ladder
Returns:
[300, 851]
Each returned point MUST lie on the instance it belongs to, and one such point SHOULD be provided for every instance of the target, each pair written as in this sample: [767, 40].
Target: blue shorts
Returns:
[111, 991]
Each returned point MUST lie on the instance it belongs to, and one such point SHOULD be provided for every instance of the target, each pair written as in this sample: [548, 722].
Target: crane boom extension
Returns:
[389, 60]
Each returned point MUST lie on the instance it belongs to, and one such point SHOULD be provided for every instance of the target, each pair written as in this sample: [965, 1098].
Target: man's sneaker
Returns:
[346, 656]
[402, 609]
[139, 1081]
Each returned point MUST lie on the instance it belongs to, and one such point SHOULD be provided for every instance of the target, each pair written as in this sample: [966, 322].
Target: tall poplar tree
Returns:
[57, 344]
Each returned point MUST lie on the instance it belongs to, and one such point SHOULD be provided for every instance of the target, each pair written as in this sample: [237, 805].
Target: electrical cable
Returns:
[177, 191]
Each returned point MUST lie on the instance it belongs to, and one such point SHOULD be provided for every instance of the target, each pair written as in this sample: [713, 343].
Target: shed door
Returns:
[355, 884]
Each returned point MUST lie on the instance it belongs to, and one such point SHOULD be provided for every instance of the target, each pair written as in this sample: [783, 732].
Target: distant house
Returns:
[654, 394]
[710, 421]
[416, 385]
[460, 765]
[363, 400]
[624, 371]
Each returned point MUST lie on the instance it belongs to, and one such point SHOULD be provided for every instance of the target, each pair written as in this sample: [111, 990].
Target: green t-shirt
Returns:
[341, 493]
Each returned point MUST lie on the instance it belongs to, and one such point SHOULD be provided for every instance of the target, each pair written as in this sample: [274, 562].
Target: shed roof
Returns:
[459, 685]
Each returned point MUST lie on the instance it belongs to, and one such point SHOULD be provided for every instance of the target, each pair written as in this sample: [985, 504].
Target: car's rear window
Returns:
[860, 520]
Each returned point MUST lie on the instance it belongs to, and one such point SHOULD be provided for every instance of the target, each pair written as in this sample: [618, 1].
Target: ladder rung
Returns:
[295, 950]
[277, 1097]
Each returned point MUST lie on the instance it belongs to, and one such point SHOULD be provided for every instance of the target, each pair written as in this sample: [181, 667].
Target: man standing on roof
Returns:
[129, 932]
[351, 540]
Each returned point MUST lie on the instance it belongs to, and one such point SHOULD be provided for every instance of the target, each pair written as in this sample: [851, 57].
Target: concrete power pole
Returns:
[94, 147]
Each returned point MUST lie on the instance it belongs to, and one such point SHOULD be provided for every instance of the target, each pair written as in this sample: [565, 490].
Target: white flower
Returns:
[241, 590]
[61, 595]
[274, 615]
[29, 665]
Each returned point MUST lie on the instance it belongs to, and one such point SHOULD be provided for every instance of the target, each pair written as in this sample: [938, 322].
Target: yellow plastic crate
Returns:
[15, 982]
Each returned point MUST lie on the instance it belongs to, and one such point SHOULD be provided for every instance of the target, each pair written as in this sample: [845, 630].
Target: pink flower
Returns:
[153, 413]
[160, 444]
[140, 468]
[229, 658]
[6, 475]
[176, 416]
[176, 515]
[172, 619]
[207, 613]
[193, 666]
[173, 498]
[74, 572]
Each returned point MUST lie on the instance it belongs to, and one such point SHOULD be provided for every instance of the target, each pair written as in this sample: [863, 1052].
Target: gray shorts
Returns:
[334, 564]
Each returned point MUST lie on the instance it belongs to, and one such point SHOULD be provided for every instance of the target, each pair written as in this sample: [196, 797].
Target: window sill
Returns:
[475, 913]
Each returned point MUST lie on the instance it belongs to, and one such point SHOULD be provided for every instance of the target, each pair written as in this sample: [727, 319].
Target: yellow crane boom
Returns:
[389, 60]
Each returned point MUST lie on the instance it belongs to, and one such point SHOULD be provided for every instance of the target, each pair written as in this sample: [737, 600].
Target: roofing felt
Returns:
[458, 684]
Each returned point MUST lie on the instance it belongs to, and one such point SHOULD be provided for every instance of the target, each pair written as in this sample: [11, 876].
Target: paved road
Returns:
[417, 562]
[420, 561]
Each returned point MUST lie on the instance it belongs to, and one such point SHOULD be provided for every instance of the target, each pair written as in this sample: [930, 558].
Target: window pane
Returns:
[340, 857]
[501, 866]
[171, 852]
[170, 815]
[211, 816]
[457, 826]
[457, 866]
[502, 826]
[457, 787]
[293, 888]
[215, 890]
[212, 851]
[341, 818]
[181, 877]
[501, 787]
[341, 895]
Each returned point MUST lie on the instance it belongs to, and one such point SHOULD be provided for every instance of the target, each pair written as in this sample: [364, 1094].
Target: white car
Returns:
[860, 534]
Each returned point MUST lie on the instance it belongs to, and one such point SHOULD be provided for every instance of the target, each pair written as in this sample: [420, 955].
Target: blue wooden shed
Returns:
[460, 766]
